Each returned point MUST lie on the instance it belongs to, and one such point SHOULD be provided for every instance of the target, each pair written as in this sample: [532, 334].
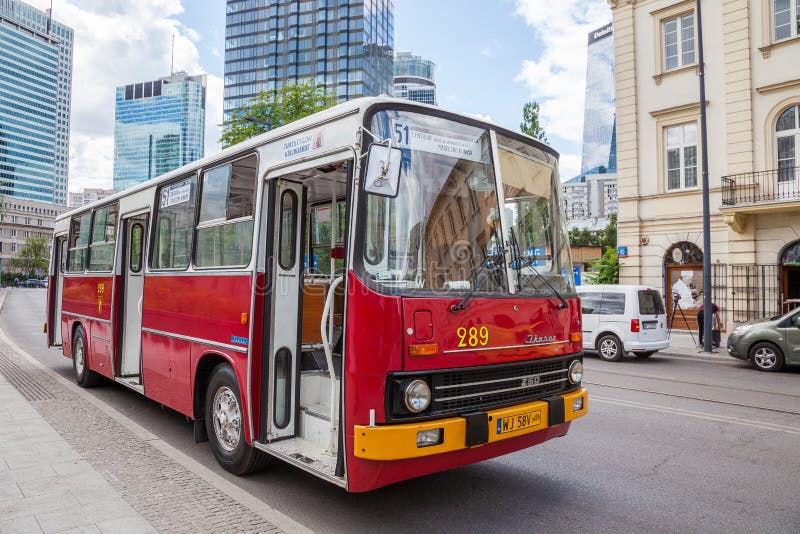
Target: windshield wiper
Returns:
[496, 262]
[516, 264]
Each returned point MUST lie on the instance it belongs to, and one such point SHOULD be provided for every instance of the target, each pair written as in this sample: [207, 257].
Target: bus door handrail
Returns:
[327, 334]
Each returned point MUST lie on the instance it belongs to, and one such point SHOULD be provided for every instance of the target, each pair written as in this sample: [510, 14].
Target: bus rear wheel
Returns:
[85, 377]
[225, 424]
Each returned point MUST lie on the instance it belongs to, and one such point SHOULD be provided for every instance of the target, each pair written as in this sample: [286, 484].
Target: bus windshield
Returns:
[536, 231]
[443, 230]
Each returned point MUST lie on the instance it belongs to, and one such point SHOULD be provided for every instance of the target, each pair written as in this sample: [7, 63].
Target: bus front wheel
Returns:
[225, 424]
[85, 377]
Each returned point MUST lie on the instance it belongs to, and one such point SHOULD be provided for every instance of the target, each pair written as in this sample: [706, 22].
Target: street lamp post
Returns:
[708, 315]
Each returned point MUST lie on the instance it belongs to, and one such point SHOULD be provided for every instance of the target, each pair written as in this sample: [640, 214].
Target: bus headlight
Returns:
[575, 372]
[417, 395]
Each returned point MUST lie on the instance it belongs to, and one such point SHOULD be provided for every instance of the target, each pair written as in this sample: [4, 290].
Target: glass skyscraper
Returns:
[414, 78]
[345, 45]
[35, 94]
[159, 126]
[599, 111]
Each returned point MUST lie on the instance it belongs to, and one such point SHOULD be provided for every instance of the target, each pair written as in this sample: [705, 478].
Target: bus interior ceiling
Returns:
[316, 442]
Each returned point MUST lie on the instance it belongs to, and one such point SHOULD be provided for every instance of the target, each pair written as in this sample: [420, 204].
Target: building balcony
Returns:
[774, 190]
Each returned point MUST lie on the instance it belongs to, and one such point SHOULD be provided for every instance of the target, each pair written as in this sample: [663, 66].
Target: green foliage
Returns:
[606, 238]
[530, 122]
[606, 269]
[33, 258]
[269, 110]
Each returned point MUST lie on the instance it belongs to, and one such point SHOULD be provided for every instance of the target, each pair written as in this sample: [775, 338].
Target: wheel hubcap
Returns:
[227, 418]
[79, 357]
[764, 357]
[608, 348]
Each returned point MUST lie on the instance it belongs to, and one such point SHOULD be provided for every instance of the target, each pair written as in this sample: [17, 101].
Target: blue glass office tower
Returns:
[35, 89]
[345, 45]
[599, 111]
[159, 126]
[414, 78]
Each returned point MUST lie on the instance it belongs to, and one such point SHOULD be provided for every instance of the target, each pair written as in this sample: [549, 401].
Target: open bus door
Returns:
[286, 284]
[56, 292]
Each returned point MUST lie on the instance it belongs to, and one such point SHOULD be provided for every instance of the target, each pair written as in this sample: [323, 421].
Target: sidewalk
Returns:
[682, 343]
[70, 462]
[45, 485]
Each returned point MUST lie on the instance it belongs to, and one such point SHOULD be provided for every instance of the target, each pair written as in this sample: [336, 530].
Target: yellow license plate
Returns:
[517, 422]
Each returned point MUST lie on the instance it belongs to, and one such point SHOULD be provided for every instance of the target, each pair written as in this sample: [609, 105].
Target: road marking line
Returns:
[698, 415]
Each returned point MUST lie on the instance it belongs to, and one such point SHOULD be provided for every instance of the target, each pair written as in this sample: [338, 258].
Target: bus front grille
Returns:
[478, 389]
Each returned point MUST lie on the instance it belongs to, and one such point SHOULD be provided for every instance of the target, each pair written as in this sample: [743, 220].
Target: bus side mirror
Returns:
[383, 171]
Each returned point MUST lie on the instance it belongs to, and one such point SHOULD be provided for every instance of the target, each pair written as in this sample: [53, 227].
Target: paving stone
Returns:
[153, 488]
[20, 525]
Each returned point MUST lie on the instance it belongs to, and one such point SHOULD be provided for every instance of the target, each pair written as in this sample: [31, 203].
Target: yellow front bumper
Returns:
[398, 442]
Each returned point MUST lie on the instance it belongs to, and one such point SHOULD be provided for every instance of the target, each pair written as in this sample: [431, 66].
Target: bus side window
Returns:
[78, 242]
[104, 235]
[225, 227]
[174, 225]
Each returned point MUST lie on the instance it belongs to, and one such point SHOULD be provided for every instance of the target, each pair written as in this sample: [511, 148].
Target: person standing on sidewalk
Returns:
[715, 318]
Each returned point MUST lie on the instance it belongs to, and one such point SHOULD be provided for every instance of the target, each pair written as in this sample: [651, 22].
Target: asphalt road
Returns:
[670, 444]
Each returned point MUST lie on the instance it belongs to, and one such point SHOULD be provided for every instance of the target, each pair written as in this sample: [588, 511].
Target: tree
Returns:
[530, 122]
[608, 235]
[33, 258]
[606, 269]
[271, 109]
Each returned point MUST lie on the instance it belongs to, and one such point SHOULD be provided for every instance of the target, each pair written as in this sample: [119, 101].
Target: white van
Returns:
[618, 319]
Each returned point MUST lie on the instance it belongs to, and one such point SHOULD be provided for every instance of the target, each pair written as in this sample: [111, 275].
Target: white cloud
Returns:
[488, 48]
[480, 117]
[557, 78]
[119, 42]
[569, 166]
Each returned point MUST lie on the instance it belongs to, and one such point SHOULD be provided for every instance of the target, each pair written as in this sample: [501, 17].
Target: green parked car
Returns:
[770, 344]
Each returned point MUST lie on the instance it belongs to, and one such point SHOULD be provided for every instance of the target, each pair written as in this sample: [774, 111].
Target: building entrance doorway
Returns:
[683, 283]
[790, 277]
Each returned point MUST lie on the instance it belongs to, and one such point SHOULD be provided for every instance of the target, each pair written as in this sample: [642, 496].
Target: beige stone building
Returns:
[21, 220]
[752, 60]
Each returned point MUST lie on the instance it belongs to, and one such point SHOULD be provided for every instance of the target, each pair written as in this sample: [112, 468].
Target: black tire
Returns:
[85, 377]
[227, 437]
[766, 357]
[609, 348]
[644, 355]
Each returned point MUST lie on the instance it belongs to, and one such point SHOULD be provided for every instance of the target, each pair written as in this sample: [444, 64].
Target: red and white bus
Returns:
[373, 293]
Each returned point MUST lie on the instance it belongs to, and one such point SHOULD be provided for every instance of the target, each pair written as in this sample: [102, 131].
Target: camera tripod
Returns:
[676, 306]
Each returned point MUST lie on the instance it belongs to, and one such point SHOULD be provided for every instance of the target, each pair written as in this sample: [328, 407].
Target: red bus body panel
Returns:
[88, 300]
[205, 308]
[377, 343]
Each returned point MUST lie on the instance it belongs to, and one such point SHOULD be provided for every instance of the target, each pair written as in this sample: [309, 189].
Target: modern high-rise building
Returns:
[159, 126]
[35, 95]
[414, 78]
[345, 45]
[599, 111]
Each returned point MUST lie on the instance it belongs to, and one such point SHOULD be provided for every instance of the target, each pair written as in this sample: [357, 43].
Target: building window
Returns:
[681, 155]
[787, 134]
[786, 18]
[678, 39]
[13, 247]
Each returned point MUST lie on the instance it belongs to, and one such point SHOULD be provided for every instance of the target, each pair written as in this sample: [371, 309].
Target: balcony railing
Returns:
[776, 185]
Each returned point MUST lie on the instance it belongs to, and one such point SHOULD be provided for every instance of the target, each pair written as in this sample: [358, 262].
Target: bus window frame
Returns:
[153, 237]
[222, 222]
[361, 211]
[91, 240]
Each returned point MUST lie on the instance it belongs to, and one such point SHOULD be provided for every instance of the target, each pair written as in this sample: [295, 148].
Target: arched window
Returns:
[791, 254]
[787, 135]
[683, 253]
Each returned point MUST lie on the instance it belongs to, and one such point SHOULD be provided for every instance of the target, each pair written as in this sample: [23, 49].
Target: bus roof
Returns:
[339, 111]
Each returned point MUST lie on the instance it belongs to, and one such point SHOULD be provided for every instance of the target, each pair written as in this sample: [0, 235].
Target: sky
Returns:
[492, 57]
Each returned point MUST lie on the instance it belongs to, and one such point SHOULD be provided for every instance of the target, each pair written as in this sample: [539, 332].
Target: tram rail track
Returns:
[697, 397]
